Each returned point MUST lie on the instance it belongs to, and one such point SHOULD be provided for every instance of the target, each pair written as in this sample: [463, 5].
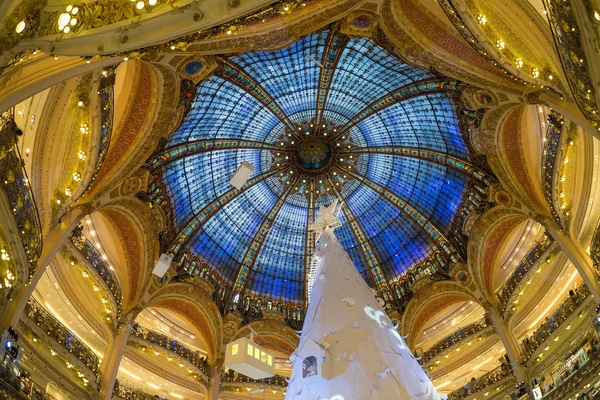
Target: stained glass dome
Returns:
[327, 117]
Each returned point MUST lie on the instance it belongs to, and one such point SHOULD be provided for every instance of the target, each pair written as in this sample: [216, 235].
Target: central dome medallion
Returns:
[313, 154]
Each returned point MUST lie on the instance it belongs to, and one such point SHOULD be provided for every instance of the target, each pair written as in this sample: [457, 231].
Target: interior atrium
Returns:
[460, 139]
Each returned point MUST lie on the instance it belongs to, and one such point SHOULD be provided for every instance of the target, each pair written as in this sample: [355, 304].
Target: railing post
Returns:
[112, 359]
[215, 380]
[52, 243]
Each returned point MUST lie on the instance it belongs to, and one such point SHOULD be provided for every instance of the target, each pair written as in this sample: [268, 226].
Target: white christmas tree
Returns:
[349, 348]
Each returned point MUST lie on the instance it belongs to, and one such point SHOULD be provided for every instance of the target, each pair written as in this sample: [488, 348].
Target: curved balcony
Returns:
[595, 248]
[123, 390]
[173, 346]
[231, 380]
[60, 334]
[454, 339]
[588, 372]
[485, 381]
[106, 107]
[89, 252]
[14, 181]
[549, 165]
[530, 259]
[553, 323]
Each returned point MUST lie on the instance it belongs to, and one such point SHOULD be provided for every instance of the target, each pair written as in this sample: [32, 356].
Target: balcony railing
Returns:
[62, 335]
[496, 375]
[525, 265]
[124, 391]
[575, 380]
[275, 382]
[14, 181]
[595, 249]
[549, 165]
[106, 105]
[173, 346]
[453, 339]
[552, 323]
[89, 252]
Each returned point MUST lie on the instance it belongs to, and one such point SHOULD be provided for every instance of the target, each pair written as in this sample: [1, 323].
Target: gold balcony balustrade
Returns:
[175, 347]
[124, 390]
[577, 379]
[232, 380]
[89, 252]
[485, 381]
[508, 290]
[14, 181]
[553, 322]
[550, 167]
[63, 336]
[455, 338]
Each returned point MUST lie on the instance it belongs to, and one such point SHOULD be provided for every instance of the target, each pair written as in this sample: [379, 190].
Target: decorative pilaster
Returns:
[112, 359]
[215, 380]
[52, 243]
[578, 255]
[510, 344]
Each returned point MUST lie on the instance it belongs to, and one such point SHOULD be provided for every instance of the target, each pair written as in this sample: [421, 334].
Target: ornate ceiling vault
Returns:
[330, 116]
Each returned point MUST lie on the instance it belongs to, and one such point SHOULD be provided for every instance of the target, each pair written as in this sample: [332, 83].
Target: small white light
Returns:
[63, 19]
[139, 5]
[20, 27]
[152, 2]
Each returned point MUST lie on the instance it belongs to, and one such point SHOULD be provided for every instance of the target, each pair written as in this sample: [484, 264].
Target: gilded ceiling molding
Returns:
[429, 301]
[511, 148]
[141, 358]
[479, 241]
[567, 28]
[128, 231]
[196, 304]
[132, 128]
[447, 53]
[498, 42]
[138, 227]
[491, 139]
[73, 287]
[168, 114]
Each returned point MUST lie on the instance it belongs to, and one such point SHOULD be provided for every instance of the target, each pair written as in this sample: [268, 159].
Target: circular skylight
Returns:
[327, 117]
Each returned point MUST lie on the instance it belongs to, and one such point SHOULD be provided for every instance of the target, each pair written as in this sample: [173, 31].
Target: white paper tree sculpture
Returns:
[349, 348]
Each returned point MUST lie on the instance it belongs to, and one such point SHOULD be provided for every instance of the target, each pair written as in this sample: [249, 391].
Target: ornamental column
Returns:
[578, 256]
[52, 243]
[215, 380]
[513, 351]
[112, 359]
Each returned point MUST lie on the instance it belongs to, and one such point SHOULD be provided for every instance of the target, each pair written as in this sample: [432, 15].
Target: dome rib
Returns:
[254, 249]
[334, 48]
[365, 247]
[414, 89]
[444, 159]
[184, 150]
[413, 213]
[233, 73]
[194, 225]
